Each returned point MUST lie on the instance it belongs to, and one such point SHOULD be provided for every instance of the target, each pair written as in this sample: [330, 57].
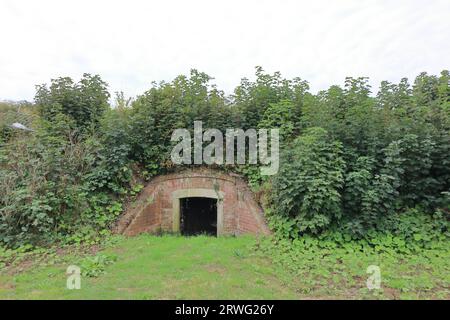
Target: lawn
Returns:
[171, 267]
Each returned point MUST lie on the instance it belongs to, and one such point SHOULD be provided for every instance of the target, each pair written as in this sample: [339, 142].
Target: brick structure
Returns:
[157, 208]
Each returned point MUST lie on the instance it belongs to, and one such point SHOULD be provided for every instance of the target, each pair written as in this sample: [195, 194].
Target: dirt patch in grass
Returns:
[7, 286]
[215, 268]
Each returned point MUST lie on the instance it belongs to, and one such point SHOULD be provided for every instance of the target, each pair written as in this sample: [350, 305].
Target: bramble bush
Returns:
[50, 179]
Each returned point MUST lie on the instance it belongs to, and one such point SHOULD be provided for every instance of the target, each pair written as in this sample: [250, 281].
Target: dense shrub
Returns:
[83, 102]
[308, 185]
[283, 115]
[46, 190]
[351, 163]
[48, 182]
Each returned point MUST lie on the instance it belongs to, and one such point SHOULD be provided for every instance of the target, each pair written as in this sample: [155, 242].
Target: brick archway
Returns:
[157, 208]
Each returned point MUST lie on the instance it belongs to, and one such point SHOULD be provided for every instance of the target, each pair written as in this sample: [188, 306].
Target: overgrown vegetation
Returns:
[353, 164]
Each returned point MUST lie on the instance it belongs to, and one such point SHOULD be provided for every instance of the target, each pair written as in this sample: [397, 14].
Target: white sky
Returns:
[131, 43]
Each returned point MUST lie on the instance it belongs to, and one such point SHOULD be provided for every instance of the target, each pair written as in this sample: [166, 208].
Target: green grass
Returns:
[171, 267]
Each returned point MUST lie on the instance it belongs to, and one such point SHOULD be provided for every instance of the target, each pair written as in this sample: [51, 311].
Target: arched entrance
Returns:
[201, 201]
[168, 200]
[198, 216]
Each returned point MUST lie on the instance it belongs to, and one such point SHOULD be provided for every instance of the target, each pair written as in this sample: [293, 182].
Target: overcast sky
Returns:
[132, 43]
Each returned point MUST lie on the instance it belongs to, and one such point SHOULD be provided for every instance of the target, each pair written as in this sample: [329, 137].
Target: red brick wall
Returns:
[153, 211]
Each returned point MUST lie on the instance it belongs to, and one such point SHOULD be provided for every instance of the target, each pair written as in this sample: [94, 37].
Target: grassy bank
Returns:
[169, 267]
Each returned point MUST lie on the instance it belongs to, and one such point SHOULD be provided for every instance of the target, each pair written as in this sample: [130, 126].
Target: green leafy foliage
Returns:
[83, 102]
[310, 178]
[49, 186]
[284, 116]
[334, 261]
[95, 266]
[350, 160]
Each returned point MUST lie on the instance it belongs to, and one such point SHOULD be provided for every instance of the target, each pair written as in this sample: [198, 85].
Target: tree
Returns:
[83, 102]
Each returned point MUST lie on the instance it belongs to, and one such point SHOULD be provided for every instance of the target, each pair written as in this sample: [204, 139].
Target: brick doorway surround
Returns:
[157, 208]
